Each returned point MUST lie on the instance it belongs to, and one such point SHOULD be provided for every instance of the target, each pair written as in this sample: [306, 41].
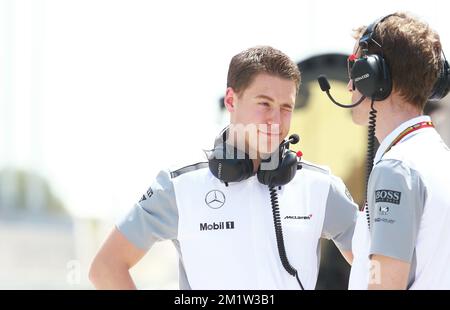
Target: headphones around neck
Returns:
[229, 164]
[371, 76]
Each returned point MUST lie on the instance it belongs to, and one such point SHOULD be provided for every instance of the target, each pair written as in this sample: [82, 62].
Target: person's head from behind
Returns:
[412, 52]
[261, 90]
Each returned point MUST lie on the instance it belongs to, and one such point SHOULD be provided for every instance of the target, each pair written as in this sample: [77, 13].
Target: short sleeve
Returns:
[154, 217]
[397, 196]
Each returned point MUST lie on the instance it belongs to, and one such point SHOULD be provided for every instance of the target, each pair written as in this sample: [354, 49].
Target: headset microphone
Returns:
[325, 86]
[293, 139]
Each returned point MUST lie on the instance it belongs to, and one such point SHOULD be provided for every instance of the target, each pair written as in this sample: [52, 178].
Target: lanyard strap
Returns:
[407, 131]
[403, 134]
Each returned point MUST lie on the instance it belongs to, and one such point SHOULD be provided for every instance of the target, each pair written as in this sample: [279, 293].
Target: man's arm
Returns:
[111, 265]
[154, 218]
[388, 273]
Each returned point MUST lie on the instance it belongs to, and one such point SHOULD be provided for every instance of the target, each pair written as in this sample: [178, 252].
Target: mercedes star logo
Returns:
[215, 199]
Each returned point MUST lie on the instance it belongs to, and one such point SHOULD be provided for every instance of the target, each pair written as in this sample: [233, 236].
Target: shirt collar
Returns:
[394, 134]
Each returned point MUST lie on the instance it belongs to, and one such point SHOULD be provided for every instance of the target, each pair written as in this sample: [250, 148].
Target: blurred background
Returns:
[96, 96]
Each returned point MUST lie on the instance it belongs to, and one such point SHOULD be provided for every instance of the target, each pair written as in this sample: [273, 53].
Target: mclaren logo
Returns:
[298, 217]
[215, 199]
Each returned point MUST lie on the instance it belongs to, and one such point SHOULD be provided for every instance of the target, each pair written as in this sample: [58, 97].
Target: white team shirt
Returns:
[225, 235]
[409, 204]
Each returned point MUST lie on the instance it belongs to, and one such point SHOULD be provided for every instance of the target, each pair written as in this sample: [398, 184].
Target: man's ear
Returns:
[229, 100]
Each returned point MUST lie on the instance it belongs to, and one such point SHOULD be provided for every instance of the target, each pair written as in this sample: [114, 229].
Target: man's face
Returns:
[263, 110]
[360, 113]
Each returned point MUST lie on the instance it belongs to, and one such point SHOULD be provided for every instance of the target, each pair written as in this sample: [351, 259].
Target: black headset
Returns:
[229, 164]
[371, 76]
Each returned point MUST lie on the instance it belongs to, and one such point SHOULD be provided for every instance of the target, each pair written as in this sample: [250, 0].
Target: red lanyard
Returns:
[403, 134]
[407, 131]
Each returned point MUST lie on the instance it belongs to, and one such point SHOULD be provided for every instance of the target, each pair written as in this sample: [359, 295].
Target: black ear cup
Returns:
[371, 77]
[231, 170]
[285, 172]
[227, 163]
[370, 73]
[442, 85]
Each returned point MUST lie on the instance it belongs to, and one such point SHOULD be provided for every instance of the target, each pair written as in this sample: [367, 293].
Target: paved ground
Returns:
[53, 252]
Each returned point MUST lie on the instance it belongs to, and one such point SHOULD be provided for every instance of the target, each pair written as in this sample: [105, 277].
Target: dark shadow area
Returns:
[334, 270]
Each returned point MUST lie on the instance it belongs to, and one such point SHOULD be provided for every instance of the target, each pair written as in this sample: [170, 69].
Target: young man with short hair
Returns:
[220, 213]
[401, 238]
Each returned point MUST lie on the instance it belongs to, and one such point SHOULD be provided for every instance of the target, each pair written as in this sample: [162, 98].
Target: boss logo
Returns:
[386, 195]
[362, 77]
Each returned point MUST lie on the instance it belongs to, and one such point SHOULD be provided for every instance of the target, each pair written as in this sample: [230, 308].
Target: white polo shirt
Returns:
[409, 210]
[225, 235]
